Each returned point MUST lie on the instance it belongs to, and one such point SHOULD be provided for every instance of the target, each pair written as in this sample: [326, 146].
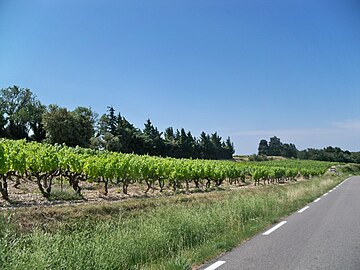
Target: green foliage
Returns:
[166, 236]
[333, 154]
[64, 195]
[179, 264]
[349, 169]
[116, 133]
[277, 148]
[72, 128]
[258, 158]
[263, 149]
[44, 162]
[20, 114]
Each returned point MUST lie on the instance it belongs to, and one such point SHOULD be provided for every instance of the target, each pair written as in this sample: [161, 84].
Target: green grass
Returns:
[64, 195]
[161, 233]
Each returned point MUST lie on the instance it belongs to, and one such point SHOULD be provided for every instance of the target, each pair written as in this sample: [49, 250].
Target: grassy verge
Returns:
[162, 233]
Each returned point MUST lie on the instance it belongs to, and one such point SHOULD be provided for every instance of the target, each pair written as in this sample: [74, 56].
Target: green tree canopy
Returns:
[72, 128]
[263, 149]
[275, 146]
[21, 114]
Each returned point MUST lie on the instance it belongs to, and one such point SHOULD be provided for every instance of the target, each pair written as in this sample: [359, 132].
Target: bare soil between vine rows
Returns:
[27, 193]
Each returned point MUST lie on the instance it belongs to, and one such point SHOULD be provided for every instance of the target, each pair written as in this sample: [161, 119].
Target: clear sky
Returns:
[248, 69]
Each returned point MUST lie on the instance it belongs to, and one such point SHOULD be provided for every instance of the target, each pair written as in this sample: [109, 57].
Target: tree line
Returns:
[333, 154]
[23, 116]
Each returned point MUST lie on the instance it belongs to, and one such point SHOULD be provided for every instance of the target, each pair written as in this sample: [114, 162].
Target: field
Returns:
[34, 173]
[193, 216]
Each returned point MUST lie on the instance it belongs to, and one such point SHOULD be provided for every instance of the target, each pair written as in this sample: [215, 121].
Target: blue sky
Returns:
[247, 69]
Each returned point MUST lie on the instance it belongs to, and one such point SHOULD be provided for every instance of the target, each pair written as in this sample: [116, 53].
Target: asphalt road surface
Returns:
[323, 235]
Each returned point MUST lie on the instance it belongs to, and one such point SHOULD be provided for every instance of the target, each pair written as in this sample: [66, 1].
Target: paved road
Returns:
[325, 235]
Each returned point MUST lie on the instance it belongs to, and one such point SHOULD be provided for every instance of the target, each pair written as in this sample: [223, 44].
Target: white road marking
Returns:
[330, 190]
[274, 228]
[325, 194]
[303, 209]
[318, 199]
[215, 265]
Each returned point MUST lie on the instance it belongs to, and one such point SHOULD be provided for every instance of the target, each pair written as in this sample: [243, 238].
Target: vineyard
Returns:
[44, 165]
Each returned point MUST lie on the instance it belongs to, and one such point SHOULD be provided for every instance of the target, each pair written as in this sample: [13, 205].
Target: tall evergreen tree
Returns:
[112, 120]
[206, 147]
[154, 145]
[230, 149]
[37, 110]
[170, 142]
[131, 138]
[169, 134]
[217, 146]
[179, 144]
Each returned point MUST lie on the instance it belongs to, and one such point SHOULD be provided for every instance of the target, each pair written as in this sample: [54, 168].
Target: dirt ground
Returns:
[27, 193]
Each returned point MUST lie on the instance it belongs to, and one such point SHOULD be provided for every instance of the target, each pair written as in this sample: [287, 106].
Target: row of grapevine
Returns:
[42, 163]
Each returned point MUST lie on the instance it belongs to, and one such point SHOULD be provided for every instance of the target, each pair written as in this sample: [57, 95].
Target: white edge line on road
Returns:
[274, 228]
[318, 199]
[303, 209]
[215, 265]
[325, 194]
[330, 190]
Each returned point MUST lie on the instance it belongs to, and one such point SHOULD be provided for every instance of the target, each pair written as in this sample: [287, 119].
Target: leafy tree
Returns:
[263, 149]
[21, 113]
[275, 146]
[289, 150]
[2, 125]
[72, 128]
[37, 110]
[58, 125]
[111, 142]
[355, 157]
[83, 121]
[334, 154]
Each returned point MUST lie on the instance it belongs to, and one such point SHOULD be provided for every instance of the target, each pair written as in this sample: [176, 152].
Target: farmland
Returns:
[186, 211]
[50, 168]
